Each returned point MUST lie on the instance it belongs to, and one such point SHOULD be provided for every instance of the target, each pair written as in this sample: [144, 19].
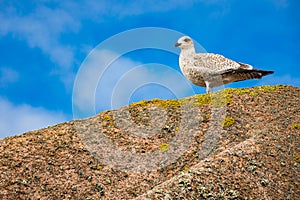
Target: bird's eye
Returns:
[187, 40]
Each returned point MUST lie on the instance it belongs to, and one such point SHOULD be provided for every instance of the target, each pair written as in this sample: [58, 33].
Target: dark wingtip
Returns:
[268, 72]
[263, 72]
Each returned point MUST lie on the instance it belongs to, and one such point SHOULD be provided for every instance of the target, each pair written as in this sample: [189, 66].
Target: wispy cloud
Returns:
[7, 76]
[21, 118]
[110, 78]
[96, 79]
[44, 24]
[41, 28]
[102, 84]
[159, 82]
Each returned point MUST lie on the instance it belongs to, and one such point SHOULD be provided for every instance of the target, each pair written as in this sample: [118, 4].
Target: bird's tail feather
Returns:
[244, 74]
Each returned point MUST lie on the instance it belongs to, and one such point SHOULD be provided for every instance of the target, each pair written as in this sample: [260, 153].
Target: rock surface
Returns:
[242, 144]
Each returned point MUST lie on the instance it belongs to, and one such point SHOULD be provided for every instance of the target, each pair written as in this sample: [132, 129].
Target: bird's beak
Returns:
[177, 44]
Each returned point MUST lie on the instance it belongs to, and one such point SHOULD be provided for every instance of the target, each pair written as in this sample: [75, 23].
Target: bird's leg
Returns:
[208, 89]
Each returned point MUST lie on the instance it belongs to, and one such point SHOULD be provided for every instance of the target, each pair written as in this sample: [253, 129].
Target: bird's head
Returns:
[184, 42]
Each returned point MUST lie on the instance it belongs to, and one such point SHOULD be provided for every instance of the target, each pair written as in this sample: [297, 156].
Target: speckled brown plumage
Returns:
[211, 70]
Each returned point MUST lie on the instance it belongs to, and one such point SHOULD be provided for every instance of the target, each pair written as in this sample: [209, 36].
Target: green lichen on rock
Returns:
[297, 158]
[185, 169]
[164, 147]
[106, 117]
[96, 167]
[201, 99]
[216, 99]
[220, 98]
[241, 91]
[163, 103]
[295, 126]
[228, 121]
[255, 91]
[269, 88]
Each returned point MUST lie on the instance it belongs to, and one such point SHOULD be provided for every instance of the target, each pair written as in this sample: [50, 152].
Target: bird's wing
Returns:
[234, 75]
[245, 66]
[217, 62]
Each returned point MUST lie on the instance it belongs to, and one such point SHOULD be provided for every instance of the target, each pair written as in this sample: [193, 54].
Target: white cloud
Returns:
[41, 28]
[87, 80]
[110, 78]
[16, 119]
[43, 23]
[8, 75]
[107, 81]
[95, 81]
[159, 78]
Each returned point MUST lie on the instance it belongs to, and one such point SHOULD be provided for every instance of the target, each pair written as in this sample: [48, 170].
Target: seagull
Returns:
[212, 70]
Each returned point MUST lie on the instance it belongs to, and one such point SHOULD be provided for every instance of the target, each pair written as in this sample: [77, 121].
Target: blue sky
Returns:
[44, 43]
